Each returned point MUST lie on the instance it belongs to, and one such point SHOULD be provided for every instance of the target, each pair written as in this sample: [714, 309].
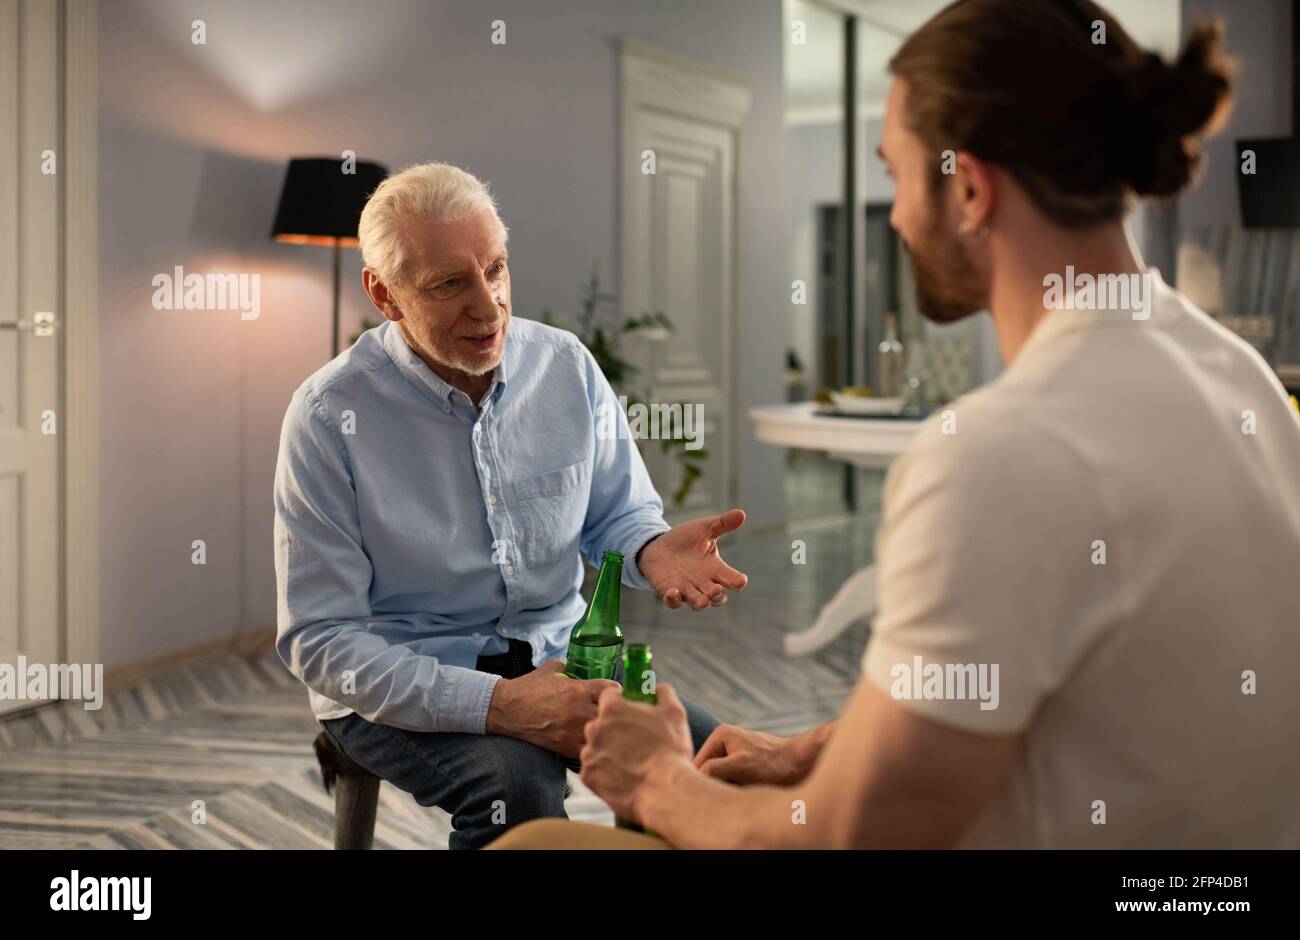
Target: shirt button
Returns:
[492, 500]
[475, 636]
[510, 569]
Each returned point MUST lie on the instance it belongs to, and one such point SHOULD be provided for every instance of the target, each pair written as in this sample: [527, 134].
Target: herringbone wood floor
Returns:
[237, 735]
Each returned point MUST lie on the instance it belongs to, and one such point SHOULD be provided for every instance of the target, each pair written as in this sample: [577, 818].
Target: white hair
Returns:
[424, 192]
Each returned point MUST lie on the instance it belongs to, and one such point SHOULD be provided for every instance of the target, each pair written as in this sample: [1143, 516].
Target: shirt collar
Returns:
[433, 386]
[507, 363]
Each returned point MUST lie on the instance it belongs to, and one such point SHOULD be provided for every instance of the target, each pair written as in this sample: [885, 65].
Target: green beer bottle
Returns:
[596, 640]
[638, 677]
[639, 686]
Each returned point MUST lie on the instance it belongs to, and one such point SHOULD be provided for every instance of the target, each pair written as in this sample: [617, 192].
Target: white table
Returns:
[863, 442]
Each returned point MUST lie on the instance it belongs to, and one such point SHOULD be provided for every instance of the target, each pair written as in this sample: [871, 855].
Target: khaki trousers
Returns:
[567, 834]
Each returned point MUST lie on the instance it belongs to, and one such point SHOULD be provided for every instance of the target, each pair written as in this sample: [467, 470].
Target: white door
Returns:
[30, 410]
[680, 123]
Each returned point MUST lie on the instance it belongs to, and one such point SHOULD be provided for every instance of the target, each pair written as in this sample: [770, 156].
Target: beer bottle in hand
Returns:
[638, 685]
[638, 677]
[596, 640]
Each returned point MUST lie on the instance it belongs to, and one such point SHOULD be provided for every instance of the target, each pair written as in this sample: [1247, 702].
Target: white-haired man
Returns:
[437, 484]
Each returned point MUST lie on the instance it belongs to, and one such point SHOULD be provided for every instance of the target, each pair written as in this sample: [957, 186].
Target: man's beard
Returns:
[442, 348]
[948, 287]
[452, 358]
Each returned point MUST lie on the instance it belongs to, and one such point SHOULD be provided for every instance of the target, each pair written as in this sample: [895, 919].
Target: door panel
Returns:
[678, 254]
[690, 275]
[29, 356]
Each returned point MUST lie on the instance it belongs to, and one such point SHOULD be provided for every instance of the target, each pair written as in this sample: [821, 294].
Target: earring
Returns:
[963, 228]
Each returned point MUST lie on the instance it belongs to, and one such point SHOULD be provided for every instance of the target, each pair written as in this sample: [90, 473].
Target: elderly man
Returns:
[436, 486]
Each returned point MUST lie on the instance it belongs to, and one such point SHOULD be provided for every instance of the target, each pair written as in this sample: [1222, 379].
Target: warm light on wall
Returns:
[325, 240]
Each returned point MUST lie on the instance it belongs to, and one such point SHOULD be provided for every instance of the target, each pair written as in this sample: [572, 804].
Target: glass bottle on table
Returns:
[889, 360]
[917, 384]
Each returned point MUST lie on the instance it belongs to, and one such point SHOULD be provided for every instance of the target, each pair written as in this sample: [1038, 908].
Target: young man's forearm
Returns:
[691, 810]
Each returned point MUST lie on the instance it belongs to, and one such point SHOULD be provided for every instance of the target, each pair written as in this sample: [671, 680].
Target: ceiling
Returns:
[814, 70]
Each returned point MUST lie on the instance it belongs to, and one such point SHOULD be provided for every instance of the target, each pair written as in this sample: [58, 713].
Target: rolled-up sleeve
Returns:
[323, 578]
[624, 511]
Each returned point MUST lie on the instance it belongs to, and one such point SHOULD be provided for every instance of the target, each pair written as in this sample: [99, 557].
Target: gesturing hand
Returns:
[683, 564]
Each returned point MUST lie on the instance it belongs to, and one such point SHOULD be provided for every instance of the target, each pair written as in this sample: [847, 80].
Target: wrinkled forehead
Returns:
[430, 247]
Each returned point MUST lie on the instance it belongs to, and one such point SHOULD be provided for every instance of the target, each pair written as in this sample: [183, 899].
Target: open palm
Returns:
[683, 564]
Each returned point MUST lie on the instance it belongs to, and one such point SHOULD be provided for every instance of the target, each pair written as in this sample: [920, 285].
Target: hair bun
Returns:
[1171, 106]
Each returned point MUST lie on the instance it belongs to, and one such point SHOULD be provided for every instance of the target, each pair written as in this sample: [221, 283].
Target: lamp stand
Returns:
[334, 332]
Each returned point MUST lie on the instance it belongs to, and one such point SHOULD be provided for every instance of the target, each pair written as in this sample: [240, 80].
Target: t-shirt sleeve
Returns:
[990, 577]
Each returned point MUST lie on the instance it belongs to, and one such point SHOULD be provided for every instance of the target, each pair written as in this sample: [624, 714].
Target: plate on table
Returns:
[858, 405]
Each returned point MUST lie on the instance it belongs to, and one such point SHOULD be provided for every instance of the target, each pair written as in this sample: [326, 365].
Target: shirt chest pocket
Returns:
[552, 506]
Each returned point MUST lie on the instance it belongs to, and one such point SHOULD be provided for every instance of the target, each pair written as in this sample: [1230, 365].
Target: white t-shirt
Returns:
[1160, 688]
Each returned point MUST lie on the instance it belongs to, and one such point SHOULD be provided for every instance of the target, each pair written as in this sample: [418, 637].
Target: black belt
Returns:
[513, 663]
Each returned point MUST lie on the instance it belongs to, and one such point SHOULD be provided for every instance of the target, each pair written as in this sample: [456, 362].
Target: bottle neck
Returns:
[604, 599]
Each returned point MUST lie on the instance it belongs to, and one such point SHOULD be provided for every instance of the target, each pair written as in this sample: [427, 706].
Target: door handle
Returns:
[42, 323]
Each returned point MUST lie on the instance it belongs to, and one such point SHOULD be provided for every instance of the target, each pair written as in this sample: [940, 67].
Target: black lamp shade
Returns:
[320, 204]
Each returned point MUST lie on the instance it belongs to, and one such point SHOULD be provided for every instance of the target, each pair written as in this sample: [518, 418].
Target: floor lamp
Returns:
[320, 204]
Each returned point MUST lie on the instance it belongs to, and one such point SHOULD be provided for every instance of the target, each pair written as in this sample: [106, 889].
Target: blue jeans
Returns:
[467, 774]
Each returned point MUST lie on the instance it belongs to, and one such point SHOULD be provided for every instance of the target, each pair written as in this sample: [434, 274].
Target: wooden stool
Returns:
[356, 795]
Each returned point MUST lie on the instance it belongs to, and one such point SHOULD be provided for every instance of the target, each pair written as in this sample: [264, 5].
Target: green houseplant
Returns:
[600, 331]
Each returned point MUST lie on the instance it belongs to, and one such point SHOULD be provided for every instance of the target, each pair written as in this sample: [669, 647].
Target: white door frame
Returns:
[658, 80]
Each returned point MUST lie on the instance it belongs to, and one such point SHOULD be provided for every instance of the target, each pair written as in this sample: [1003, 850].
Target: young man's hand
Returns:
[738, 755]
[625, 742]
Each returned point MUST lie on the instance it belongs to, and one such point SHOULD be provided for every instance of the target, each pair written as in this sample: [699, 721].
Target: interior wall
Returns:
[1259, 33]
[1225, 268]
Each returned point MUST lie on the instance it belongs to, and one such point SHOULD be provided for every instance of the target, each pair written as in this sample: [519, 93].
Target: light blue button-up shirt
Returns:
[414, 531]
